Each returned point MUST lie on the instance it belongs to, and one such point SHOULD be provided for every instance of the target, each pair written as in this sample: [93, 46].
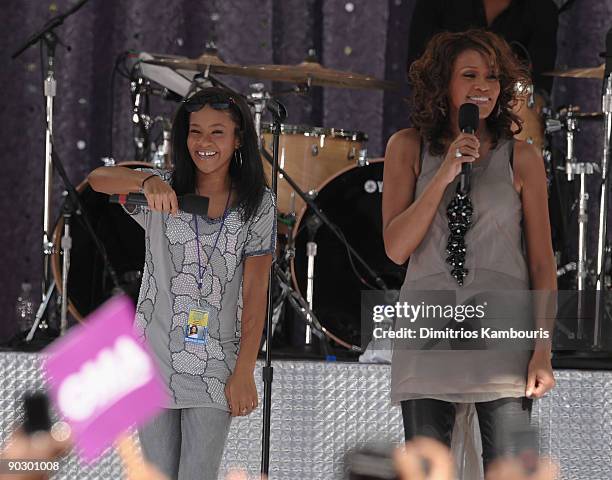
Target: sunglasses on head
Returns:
[216, 101]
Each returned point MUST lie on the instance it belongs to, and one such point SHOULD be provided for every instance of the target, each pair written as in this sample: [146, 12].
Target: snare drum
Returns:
[309, 155]
[352, 200]
[89, 285]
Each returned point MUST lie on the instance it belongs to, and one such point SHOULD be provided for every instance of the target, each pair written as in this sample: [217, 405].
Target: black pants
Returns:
[435, 419]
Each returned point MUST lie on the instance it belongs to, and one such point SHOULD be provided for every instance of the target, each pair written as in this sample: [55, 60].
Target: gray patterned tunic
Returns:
[196, 373]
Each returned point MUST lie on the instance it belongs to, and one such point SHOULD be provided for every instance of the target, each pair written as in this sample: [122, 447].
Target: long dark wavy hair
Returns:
[430, 78]
[248, 176]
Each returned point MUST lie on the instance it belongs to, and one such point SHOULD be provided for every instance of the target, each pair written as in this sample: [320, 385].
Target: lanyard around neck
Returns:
[202, 268]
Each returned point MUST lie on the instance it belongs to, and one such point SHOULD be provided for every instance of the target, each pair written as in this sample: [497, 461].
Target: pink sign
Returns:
[102, 379]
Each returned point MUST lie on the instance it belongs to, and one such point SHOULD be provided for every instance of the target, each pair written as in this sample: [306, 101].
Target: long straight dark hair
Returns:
[246, 169]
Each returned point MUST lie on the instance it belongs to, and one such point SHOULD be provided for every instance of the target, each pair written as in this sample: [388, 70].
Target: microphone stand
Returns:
[268, 370]
[48, 36]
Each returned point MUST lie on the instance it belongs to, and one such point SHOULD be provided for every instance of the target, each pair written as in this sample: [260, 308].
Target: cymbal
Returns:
[590, 72]
[207, 61]
[588, 115]
[315, 74]
[311, 73]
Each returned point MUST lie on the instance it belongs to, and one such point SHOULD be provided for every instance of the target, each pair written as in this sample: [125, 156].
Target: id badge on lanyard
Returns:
[197, 326]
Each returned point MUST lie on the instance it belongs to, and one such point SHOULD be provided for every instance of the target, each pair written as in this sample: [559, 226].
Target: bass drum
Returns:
[352, 200]
[89, 284]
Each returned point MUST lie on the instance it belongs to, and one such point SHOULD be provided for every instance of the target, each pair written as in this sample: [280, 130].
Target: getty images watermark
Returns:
[458, 320]
[457, 313]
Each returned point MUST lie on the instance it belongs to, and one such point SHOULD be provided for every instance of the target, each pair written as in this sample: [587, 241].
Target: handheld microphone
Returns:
[189, 203]
[468, 123]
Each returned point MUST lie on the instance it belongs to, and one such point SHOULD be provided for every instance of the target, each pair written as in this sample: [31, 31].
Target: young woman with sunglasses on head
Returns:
[203, 297]
[468, 244]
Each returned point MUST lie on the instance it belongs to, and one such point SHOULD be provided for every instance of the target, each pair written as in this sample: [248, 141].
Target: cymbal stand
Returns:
[573, 168]
[313, 224]
[257, 98]
[140, 117]
[66, 245]
[603, 205]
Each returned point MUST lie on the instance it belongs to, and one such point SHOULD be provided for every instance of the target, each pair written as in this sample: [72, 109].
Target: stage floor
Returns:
[320, 410]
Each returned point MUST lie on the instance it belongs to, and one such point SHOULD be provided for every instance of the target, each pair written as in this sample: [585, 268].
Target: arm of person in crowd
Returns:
[529, 167]
[122, 180]
[410, 460]
[134, 465]
[543, 42]
[422, 28]
[513, 469]
[405, 220]
[240, 390]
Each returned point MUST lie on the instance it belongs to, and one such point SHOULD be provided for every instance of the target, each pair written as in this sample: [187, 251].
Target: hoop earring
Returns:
[238, 157]
[499, 109]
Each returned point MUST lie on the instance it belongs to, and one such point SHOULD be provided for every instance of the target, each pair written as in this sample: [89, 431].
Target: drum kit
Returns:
[327, 186]
[329, 194]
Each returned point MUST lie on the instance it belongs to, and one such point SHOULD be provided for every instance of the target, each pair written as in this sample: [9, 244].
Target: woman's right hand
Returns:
[160, 195]
[467, 144]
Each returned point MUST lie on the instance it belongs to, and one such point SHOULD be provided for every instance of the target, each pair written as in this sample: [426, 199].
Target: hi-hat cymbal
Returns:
[591, 72]
[310, 73]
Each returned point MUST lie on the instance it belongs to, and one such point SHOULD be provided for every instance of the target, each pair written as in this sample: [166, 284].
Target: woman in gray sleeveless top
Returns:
[509, 201]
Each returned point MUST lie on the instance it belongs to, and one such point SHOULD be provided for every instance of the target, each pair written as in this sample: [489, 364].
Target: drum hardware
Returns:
[602, 241]
[72, 205]
[66, 245]
[302, 308]
[355, 210]
[140, 117]
[313, 224]
[161, 151]
[105, 262]
[339, 235]
[337, 232]
[257, 98]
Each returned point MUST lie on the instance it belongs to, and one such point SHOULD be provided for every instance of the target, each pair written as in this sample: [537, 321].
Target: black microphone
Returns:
[468, 123]
[277, 109]
[189, 203]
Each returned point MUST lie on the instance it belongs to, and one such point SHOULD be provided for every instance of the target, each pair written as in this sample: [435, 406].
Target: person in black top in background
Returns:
[529, 26]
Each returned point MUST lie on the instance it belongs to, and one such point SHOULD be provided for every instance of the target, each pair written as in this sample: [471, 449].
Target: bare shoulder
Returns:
[524, 151]
[528, 162]
[403, 147]
[407, 138]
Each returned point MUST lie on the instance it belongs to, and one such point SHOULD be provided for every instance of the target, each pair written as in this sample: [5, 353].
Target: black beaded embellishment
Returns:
[459, 214]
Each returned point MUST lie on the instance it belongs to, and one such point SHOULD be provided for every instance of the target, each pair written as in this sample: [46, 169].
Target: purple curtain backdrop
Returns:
[364, 36]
